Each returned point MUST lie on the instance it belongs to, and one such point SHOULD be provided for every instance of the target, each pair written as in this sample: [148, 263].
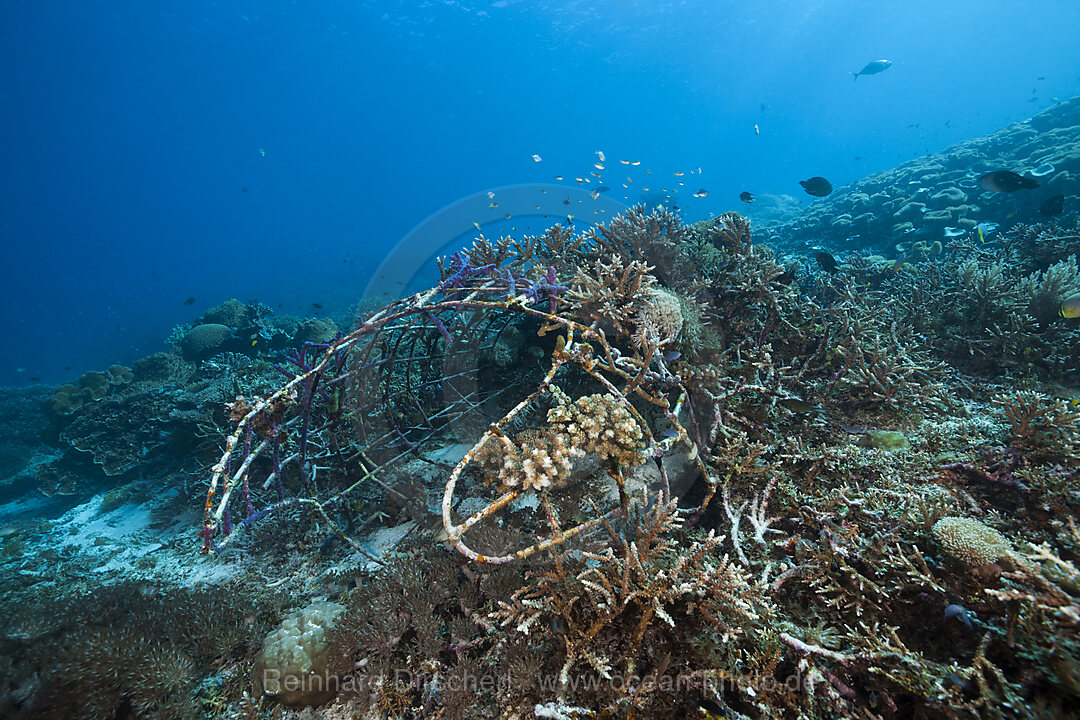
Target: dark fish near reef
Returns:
[816, 186]
[786, 277]
[853, 429]
[826, 261]
[1070, 308]
[190, 300]
[317, 306]
[796, 405]
[1053, 206]
[701, 193]
[960, 613]
[746, 197]
[873, 68]
[1006, 181]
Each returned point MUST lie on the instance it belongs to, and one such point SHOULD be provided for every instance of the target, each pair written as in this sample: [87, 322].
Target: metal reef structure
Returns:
[355, 406]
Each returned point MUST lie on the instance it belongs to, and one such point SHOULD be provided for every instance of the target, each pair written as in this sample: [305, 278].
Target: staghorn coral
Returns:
[1040, 245]
[558, 246]
[608, 292]
[1041, 423]
[649, 237]
[730, 231]
[1046, 290]
[888, 373]
[645, 602]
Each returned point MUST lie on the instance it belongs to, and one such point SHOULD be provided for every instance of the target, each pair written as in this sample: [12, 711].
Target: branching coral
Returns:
[730, 231]
[1046, 290]
[1043, 424]
[653, 237]
[887, 374]
[642, 591]
[608, 292]
[1036, 246]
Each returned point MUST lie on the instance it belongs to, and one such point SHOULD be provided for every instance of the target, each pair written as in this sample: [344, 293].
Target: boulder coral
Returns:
[293, 667]
[205, 339]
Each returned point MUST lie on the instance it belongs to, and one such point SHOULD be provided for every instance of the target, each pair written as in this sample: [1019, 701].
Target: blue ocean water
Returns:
[152, 152]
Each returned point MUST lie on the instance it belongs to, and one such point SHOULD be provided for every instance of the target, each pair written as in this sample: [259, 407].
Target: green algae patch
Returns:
[885, 440]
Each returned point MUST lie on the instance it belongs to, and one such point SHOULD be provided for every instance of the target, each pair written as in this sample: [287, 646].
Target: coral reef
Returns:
[122, 649]
[640, 470]
[760, 502]
[926, 199]
[118, 425]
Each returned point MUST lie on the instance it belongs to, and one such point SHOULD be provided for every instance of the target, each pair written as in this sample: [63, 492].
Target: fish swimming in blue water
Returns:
[873, 68]
[816, 186]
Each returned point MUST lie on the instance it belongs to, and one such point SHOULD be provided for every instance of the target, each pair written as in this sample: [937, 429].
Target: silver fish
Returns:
[873, 68]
